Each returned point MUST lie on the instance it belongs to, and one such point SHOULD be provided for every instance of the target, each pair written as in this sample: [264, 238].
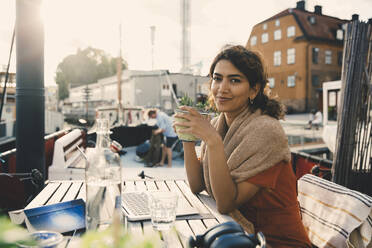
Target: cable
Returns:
[7, 75]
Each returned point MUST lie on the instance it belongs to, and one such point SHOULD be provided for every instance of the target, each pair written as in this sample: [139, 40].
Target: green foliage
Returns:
[11, 234]
[84, 67]
[201, 106]
[186, 101]
[105, 239]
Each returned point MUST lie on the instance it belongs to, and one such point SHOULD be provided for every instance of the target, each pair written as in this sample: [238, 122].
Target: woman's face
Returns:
[230, 88]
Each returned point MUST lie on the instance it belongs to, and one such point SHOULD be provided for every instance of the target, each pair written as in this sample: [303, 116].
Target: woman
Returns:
[245, 156]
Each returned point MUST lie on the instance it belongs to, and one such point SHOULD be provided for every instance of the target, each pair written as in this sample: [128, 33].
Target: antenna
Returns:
[152, 28]
[185, 43]
[118, 72]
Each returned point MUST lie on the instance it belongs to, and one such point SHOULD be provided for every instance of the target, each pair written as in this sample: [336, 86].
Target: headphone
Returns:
[227, 235]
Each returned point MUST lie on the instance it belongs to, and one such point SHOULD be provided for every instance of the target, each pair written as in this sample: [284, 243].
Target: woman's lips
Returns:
[223, 99]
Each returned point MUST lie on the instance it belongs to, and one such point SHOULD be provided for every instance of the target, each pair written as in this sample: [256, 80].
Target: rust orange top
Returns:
[274, 210]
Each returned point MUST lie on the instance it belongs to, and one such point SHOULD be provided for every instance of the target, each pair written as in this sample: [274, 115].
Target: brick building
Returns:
[301, 49]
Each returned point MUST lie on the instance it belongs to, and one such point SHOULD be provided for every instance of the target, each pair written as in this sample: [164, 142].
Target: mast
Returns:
[118, 73]
[30, 89]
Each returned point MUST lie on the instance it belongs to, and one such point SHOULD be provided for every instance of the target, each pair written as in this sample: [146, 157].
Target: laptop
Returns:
[63, 217]
[135, 207]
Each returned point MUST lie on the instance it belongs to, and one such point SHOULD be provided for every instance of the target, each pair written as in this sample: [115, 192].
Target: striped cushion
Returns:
[330, 212]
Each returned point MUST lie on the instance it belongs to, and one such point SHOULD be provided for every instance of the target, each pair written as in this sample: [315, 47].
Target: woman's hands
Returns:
[196, 124]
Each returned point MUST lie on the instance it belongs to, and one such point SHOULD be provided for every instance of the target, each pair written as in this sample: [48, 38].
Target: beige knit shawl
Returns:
[253, 143]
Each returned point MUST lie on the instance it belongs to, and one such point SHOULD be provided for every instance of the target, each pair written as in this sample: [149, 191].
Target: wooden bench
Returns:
[68, 162]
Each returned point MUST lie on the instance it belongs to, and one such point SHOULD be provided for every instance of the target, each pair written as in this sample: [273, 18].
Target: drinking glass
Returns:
[162, 205]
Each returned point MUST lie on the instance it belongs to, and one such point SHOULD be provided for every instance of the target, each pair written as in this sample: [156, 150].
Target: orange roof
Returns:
[324, 28]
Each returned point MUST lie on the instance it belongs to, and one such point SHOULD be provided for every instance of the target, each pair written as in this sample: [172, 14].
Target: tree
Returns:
[84, 67]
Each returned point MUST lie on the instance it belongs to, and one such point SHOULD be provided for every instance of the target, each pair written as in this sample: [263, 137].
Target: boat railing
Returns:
[15, 196]
[316, 161]
[8, 158]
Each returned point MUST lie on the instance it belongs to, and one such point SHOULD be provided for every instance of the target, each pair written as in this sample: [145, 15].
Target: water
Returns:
[163, 207]
[162, 218]
[101, 195]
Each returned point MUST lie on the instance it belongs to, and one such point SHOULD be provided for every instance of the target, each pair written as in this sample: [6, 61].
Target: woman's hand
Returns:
[196, 124]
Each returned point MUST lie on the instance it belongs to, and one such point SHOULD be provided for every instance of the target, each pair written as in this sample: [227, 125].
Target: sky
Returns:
[73, 24]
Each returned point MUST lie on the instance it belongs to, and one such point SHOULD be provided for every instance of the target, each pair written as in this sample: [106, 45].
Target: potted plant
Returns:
[203, 109]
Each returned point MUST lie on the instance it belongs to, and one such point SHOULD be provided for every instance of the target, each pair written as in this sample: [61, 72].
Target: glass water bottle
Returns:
[103, 180]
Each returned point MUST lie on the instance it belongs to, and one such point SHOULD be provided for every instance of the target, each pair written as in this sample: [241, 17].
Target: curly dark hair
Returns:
[251, 65]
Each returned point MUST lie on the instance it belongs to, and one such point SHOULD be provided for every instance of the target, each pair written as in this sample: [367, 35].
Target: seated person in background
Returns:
[164, 122]
[153, 156]
[311, 119]
[245, 159]
[318, 120]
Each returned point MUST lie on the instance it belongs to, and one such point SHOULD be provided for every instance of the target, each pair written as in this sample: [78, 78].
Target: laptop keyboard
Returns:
[136, 203]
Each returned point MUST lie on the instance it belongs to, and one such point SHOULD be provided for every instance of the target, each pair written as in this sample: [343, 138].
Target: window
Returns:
[277, 58]
[277, 34]
[264, 37]
[340, 34]
[291, 56]
[339, 58]
[312, 20]
[328, 57]
[277, 23]
[291, 81]
[315, 80]
[315, 55]
[271, 82]
[165, 90]
[253, 40]
[291, 31]
[264, 26]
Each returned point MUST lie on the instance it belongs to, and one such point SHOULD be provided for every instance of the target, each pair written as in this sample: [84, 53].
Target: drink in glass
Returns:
[163, 206]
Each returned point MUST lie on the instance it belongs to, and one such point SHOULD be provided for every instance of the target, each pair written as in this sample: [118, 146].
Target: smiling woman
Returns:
[244, 162]
[231, 90]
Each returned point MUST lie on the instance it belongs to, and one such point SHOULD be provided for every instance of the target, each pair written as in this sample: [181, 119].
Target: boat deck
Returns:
[129, 160]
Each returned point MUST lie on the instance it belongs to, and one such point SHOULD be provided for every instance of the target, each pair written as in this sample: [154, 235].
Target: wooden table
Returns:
[59, 191]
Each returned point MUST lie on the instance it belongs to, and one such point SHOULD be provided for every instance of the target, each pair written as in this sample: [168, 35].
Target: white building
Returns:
[142, 88]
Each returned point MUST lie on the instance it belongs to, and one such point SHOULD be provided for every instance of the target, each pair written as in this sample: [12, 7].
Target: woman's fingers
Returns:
[182, 123]
[185, 130]
[182, 115]
[189, 109]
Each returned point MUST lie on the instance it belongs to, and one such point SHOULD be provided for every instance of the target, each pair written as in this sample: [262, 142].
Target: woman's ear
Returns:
[255, 91]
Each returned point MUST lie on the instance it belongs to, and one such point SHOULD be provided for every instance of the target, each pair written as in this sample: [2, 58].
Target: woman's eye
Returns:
[216, 79]
[235, 80]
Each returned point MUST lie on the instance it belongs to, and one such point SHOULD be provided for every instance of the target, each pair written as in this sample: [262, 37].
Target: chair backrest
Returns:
[331, 212]
[65, 149]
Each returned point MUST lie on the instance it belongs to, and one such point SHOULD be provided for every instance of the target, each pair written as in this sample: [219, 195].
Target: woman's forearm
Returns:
[193, 168]
[223, 187]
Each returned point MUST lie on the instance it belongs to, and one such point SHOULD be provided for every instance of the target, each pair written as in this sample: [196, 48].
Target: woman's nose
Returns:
[224, 86]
